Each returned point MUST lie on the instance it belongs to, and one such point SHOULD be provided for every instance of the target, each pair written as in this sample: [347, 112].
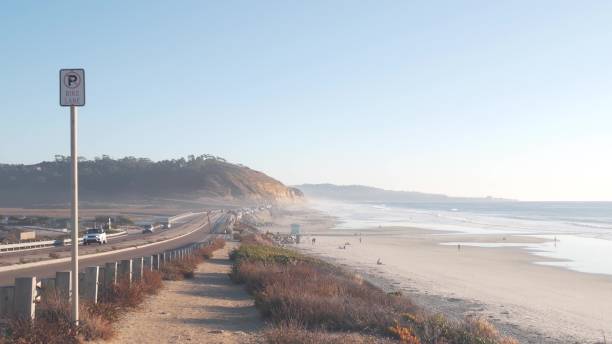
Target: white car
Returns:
[148, 229]
[95, 235]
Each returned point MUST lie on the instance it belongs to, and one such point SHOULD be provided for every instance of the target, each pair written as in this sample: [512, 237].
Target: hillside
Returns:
[129, 178]
[360, 193]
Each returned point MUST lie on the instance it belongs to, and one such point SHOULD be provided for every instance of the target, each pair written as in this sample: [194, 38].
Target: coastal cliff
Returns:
[130, 178]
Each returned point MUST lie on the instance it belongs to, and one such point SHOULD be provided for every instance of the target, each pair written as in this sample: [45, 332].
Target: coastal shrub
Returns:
[126, 294]
[404, 334]
[152, 282]
[313, 297]
[180, 269]
[324, 299]
[207, 251]
[294, 333]
[287, 285]
[53, 324]
[94, 326]
[437, 328]
[110, 311]
[264, 253]
[255, 239]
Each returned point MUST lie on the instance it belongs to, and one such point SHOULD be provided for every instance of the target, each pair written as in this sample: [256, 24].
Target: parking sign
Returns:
[72, 87]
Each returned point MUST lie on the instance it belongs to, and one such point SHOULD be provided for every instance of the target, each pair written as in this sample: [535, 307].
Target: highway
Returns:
[199, 224]
[133, 237]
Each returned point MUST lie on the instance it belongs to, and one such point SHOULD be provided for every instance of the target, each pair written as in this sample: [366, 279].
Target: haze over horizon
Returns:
[509, 100]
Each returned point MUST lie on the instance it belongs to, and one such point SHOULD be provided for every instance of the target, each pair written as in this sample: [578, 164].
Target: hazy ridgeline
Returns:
[137, 178]
[361, 193]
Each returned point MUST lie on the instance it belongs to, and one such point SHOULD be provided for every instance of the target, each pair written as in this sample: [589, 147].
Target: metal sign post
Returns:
[72, 93]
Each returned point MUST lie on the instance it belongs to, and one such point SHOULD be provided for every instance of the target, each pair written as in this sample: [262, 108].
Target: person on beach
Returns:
[314, 240]
[458, 247]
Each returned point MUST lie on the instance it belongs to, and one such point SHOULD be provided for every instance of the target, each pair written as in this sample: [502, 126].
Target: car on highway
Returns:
[95, 235]
[148, 229]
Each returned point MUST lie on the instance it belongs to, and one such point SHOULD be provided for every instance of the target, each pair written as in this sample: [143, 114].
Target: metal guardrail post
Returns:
[110, 276]
[7, 301]
[101, 283]
[148, 264]
[90, 284]
[137, 269]
[125, 271]
[25, 295]
[63, 285]
[156, 261]
[47, 283]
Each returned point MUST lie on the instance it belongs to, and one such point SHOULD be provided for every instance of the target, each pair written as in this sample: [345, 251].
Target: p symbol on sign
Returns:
[72, 80]
[72, 87]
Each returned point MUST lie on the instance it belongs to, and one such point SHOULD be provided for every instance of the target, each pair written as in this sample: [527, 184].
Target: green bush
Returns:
[265, 254]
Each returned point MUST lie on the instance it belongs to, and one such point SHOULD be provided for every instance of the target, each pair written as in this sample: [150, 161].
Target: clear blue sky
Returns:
[475, 98]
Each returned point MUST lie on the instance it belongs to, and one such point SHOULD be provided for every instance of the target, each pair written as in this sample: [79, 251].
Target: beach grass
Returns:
[306, 299]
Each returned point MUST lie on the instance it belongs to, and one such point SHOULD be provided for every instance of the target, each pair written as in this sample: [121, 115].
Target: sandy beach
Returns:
[535, 303]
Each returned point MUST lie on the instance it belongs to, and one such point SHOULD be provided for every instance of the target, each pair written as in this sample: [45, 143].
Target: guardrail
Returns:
[182, 216]
[19, 300]
[31, 245]
[39, 228]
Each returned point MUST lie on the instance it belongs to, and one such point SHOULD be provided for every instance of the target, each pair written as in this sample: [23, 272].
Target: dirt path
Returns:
[206, 309]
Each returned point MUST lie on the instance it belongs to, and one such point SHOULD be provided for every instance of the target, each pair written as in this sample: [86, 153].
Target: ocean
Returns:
[578, 235]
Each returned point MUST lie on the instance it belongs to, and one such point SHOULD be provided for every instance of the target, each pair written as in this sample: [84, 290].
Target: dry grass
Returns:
[130, 295]
[94, 325]
[207, 251]
[438, 329]
[53, 325]
[327, 301]
[180, 269]
[152, 282]
[293, 333]
[316, 297]
[126, 295]
[41, 331]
